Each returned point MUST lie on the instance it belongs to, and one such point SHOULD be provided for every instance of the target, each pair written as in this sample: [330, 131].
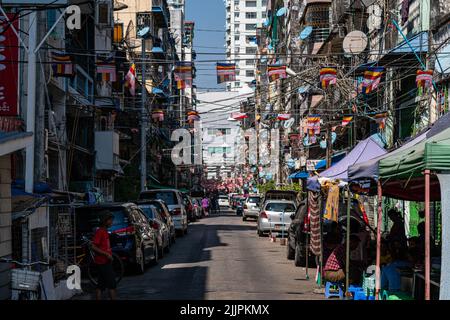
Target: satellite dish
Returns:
[143, 32]
[306, 32]
[375, 17]
[355, 42]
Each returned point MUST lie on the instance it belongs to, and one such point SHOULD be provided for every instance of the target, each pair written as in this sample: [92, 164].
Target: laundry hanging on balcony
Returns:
[276, 72]
[371, 80]
[226, 72]
[183, 74]
[158, 115]
[106, 68]
[424, 81]
[328, 76]
[62, 65]
[130, 80]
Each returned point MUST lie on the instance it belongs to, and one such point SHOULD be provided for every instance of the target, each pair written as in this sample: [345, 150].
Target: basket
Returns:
[22, 279]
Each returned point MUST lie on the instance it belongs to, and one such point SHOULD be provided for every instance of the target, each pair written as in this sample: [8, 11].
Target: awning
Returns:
[14, 141]
[158, 50]
[417, 43]
[299, 175]
[334, 159]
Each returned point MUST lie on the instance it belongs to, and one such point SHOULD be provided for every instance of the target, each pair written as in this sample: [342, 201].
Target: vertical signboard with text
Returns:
[9, 66]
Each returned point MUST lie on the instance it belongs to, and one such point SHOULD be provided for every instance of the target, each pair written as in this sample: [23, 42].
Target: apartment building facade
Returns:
[243, 17]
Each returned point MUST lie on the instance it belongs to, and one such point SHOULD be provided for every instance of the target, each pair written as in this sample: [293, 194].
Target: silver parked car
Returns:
[174, 201]
[251, 207]
[158, 223]
[275, 217]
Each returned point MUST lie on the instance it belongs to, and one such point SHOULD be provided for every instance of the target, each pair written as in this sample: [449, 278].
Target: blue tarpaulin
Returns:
[335, 159]
[299, 175]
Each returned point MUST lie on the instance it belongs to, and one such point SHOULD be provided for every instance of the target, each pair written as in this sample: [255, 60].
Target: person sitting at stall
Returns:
[331, 239]
[334, 270]
[397, 232]
[390, 274]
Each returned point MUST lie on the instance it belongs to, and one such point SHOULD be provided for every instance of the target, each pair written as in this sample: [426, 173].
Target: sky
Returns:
[208, 15]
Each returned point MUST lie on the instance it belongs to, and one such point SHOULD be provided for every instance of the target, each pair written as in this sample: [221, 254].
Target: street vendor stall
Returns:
[405, 173]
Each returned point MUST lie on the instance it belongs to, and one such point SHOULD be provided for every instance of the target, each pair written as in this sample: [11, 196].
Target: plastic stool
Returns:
[354, 289]
[360, 295]
[334, 286]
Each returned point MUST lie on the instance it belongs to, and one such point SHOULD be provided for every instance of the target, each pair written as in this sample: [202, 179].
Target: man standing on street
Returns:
[103, 258]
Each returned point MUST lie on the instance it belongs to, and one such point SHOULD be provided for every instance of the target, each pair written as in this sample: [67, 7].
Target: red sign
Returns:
[9, 66]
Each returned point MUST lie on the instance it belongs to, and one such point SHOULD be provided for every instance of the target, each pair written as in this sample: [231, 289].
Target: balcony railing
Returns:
[161, 12]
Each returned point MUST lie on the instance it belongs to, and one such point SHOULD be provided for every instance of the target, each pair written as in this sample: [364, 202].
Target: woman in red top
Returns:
[103, 258]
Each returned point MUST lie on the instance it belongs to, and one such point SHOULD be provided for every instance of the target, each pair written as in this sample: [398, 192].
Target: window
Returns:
[250, 4]
[250, 62]
[264, 14]
[236, 14]
[264, 3]
[237, 38]
[250, 15]
[237, 50]
[250, 26]
[236, 2]
[236, 26]
[250, 50]
[219, 150]
[280, 207]
[249, 73]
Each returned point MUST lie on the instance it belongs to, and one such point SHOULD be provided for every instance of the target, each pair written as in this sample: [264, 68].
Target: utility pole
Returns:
[329, 141]
[31, 100]
[143, 123]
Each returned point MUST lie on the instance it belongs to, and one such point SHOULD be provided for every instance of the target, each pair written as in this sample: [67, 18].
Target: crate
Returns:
[22, 279]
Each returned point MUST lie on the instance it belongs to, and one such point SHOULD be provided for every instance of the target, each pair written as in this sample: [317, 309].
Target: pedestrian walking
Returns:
[205, 205]
[103, 257]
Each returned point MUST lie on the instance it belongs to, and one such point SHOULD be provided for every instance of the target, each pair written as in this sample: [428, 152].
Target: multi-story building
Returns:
[243, 17]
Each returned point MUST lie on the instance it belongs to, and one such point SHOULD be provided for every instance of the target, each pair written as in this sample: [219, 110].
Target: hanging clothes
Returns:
[314, 222]
[332, 205]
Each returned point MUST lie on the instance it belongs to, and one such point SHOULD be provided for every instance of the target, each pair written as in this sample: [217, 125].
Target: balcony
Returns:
[161, 13]
[107, 151]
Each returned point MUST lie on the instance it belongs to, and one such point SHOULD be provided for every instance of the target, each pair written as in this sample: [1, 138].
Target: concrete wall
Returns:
[5, 223]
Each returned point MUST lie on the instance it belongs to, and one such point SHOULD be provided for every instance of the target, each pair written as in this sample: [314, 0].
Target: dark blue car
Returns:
[131, 236]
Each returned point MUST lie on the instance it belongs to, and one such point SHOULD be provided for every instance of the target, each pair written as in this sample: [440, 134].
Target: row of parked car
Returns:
[143, 230]
[285, 214]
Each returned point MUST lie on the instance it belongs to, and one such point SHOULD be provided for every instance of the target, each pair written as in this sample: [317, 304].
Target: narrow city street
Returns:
[222, 257]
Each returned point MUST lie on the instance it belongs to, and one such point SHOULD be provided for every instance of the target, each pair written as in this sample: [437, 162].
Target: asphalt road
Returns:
[221, 257]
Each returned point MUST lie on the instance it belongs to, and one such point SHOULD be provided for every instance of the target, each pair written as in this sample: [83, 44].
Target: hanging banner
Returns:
[62, 65]
[328, 76]
[183, 74]
[424, 80]
[9, 67]
[276, 72]
[372, 78]
[106, 68]
[313, 125]
[380, 118]
[226, 72]
[346, 120]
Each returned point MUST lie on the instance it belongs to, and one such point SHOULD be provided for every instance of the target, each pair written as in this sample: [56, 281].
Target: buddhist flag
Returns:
[380, 118]
[276, 72]
[313, 125]
[226, 72]
[238, 116]
[346, 120]
[106, 67]
[62, 65]
[130, 80]
[372, 78]
[424, 80]
[328, 76]
[183, 74]
[283, 116]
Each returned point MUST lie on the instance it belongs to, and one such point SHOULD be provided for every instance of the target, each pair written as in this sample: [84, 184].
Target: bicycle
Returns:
[86, 262]
[26, 284]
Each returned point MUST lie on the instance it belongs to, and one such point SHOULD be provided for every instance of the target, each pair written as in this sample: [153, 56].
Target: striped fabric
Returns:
[314, 222]
[372, 78]
[106, 67]
[328, 76]
[226, 72]
[62, 65]
[276, 72]
[183, 74]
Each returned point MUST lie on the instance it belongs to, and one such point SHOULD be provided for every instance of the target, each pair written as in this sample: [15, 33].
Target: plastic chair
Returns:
[334, 289]
[353, 289]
